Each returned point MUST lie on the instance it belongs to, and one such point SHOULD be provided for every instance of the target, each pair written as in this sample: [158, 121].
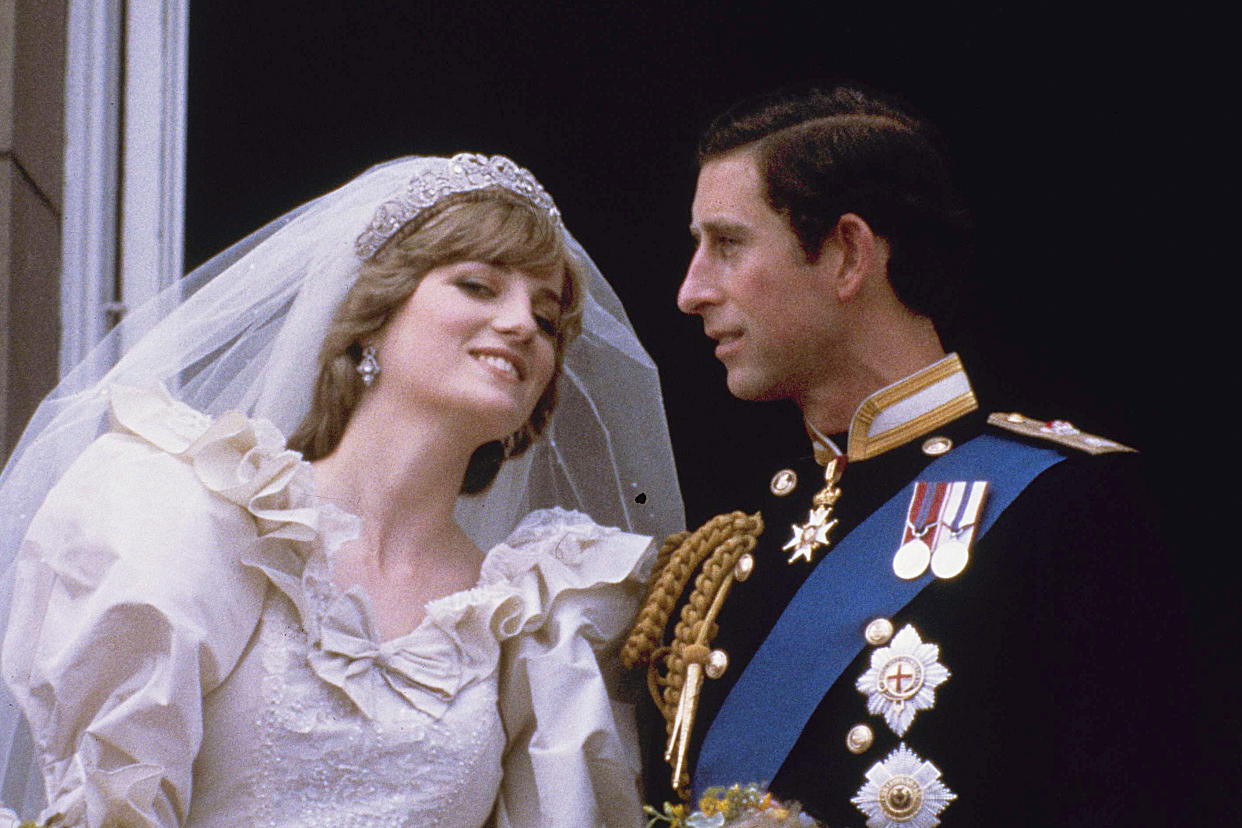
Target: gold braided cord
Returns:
[679, 555]
[697, 628]
[670, 545]
[717, 546]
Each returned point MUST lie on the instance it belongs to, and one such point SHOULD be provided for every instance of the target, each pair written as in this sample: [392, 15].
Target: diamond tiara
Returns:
[462, 173]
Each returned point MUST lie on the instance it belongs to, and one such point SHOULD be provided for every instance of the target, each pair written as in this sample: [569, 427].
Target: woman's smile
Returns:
[507, 364]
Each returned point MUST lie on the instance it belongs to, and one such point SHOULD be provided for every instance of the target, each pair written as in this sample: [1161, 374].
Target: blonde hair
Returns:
[491, 225]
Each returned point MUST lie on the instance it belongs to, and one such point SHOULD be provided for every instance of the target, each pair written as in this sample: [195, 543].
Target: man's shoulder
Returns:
[1053, 433]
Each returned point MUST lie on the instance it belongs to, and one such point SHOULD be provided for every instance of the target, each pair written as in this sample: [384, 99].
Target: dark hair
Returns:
[490, 225]
[824, 154]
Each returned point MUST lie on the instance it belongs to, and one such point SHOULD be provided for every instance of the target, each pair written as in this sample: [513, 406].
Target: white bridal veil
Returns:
[241, 331]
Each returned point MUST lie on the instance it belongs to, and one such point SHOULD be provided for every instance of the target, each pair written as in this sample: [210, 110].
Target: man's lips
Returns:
[727, 341]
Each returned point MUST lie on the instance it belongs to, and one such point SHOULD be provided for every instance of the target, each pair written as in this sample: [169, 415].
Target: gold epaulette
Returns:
[1056, 431]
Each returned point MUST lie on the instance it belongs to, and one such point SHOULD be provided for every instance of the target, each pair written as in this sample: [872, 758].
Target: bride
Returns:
[213, 625]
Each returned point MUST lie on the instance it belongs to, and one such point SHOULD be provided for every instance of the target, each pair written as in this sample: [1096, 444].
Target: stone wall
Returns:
[32, 68]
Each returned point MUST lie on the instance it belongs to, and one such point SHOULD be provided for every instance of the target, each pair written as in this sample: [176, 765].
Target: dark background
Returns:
[1070, 129]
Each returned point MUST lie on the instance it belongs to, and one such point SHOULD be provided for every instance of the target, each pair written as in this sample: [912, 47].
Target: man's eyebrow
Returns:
[718, 227]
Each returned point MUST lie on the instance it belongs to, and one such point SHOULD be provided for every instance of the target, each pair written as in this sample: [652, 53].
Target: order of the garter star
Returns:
[902, 679]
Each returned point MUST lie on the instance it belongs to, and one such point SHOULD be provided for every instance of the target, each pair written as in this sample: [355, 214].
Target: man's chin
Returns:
[747, 386]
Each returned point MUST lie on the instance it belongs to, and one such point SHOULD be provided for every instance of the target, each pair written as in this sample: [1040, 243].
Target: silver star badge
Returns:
[902, 679]
[903, 791]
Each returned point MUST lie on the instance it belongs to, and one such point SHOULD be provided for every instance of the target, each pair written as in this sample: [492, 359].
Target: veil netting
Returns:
[235, 334]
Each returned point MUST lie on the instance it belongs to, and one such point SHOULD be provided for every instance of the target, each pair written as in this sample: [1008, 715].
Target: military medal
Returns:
[952, 551]
[903, 791]
[949, 559]
[813, 535]
[922, 523]
[911, 560]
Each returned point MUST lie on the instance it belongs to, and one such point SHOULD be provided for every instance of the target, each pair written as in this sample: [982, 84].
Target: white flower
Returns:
[903, 791]
[902, 679]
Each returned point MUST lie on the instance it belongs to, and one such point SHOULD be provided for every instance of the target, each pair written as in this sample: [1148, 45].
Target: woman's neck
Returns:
[401, 475]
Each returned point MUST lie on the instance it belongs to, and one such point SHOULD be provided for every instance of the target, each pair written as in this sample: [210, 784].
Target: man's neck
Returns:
[866, 366]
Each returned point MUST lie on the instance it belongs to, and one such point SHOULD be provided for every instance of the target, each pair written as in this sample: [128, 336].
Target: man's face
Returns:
[770, 311]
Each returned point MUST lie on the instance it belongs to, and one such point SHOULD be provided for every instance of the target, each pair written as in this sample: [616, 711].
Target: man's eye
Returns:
[726, 246]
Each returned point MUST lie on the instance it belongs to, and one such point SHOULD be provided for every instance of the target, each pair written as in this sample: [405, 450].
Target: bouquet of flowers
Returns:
[737, 806]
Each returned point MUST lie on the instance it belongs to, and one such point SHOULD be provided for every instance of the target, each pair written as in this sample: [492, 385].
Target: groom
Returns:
[952, 615]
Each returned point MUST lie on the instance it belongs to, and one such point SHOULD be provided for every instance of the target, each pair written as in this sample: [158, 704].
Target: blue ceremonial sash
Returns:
[820, 632]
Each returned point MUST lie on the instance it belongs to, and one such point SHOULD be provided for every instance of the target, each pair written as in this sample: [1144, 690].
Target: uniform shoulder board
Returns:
[1057, 431]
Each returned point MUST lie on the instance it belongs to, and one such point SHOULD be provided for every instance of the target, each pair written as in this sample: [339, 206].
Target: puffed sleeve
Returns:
[573, 755]
[130, 605]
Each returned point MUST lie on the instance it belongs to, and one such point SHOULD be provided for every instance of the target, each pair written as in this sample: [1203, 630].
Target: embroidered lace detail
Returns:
[321, 763]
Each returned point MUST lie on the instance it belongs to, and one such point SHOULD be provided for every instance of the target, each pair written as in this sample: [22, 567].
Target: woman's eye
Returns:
[547, 325]
[476, 288]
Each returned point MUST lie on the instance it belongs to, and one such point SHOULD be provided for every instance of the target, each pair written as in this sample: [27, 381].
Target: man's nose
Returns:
[697, 287]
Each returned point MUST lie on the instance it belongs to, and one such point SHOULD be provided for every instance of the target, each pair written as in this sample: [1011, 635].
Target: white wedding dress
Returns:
[184, 658]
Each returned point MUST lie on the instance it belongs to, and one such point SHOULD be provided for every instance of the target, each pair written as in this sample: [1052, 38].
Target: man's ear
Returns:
[861, 252]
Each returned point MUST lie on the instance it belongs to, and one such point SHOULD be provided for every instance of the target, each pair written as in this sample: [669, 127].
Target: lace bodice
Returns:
[254, 692]
[311, 757]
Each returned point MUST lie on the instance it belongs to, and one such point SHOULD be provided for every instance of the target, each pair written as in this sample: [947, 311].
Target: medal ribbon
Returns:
[968, 504]
[820, 631]
[925, 511]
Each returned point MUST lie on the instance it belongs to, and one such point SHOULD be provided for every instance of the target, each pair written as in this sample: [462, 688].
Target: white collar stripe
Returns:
[930, 398]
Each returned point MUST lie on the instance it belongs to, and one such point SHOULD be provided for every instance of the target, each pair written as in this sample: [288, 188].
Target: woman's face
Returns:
[473, 340]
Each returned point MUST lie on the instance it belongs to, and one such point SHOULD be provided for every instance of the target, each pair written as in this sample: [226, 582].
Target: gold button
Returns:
[859, 738]
[1015, 417]
[717, 663]
[744, 566]
[879, 632]
[783, 482]
[936, 446]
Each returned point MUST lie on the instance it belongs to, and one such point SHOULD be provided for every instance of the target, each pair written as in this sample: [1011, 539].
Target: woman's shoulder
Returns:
[235, 456]
[572, 545]
[166, 475]
[562, 569]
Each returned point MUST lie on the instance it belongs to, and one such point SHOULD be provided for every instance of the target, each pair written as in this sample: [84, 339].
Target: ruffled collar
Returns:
[457, 644]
